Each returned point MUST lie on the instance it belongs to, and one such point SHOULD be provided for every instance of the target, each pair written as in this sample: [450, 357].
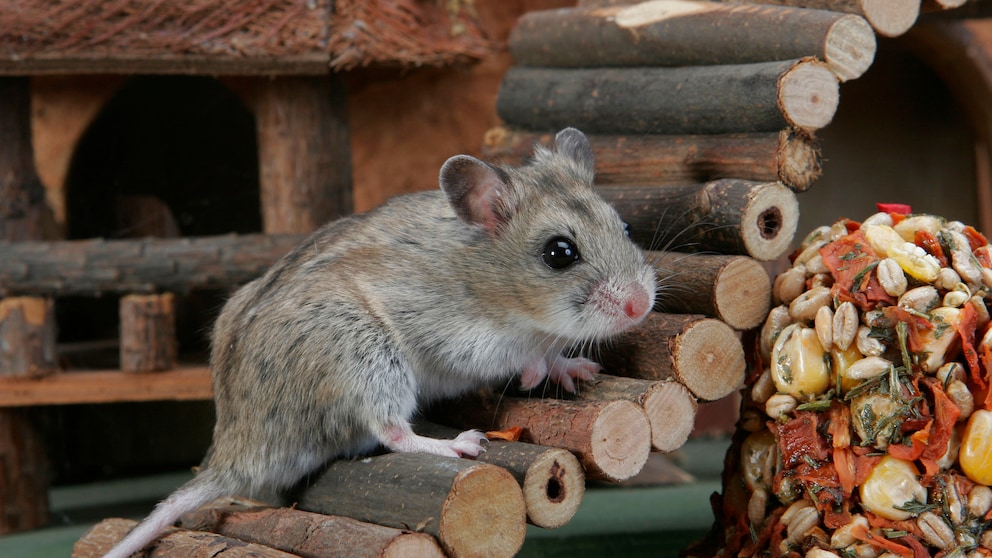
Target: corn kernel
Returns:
[842, 360]
[975, 455]
[798, 366]
[915, 261]
[892, 484]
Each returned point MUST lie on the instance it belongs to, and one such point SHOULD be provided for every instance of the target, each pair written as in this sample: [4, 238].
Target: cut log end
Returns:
[412, 545]
[798, 160]
[742, 293]
[553, 488]
[769, 221]
[481, 512]
[890, 18]
[621, 440]
[671, 409]
[808, 94]
[710, 360]
[849, 47]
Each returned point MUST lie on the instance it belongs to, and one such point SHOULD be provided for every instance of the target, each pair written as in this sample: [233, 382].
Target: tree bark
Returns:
[471, 508]
[181, 265]
[310, 535]
[701, 353]
[148, 332]
[733, 289]
[304, 152]
[736, 217]
[784, 156]
[27, 337]
[670, 406]
[692, 33]
[24, 213]
[763, 97]
[552, 479]
[175, 543]
[889, 18]
[611, 439]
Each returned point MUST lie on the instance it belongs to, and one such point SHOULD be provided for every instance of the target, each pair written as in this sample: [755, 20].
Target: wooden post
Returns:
[309, 534]
[612, 439]
[734, 289]
[472, 509]
[762, 97]
[701, 353]
[692, 33]
[725, 216]
[148, 332]
[304, 152]
[24, 215]
[552, 479]
[785, 156]
[27, 337]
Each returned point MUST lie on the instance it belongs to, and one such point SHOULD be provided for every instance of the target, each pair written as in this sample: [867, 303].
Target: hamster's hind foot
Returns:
[401, 438]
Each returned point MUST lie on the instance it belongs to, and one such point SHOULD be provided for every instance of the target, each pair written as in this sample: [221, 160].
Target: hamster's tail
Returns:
[198, 491]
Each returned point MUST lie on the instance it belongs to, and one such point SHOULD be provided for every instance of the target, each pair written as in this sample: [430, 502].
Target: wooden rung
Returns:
[108, 386]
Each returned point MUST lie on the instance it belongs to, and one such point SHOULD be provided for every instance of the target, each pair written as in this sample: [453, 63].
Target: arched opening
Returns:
[166, 156]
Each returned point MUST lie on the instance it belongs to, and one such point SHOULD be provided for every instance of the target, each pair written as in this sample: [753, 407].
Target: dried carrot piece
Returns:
[864, 535]
[511, 434]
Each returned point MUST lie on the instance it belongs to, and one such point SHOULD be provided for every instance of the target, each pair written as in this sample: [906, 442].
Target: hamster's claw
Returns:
[565, 371]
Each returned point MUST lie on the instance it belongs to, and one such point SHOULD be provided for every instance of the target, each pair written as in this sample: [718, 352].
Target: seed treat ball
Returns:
[866, 422]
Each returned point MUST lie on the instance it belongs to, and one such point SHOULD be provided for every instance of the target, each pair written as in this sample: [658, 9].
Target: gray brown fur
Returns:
[335, 348]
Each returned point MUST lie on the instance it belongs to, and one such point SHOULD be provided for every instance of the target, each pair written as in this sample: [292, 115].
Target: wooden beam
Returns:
[181, 265]
[108, 386]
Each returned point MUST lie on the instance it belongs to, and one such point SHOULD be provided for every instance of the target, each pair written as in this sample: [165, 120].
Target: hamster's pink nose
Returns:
[638, 303]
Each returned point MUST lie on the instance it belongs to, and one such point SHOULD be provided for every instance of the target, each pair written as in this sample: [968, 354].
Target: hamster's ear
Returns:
[574, 145]
[479, 193]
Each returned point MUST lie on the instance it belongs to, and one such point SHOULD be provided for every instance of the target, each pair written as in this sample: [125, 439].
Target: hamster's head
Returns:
[560, 258]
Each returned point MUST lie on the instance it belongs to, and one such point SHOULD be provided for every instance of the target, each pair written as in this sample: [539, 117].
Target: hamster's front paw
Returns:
[565, 371]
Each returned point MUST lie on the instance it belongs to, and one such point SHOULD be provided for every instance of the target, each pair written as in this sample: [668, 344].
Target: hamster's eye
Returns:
[626, 228]
[560, 253]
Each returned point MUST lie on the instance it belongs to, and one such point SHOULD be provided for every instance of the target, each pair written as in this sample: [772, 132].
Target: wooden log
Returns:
[669, 406]
[736, 217]
[889, 18]
[175, 543]
[692, 33]
[471, 508]
[701, 353]
[611, 439]
[27, 337]
[551, 479]
[107, 386]
[785, 156]
[733, 289]
[148, 332]
[304, 152]
[762, 97]
[309, 535]
[93, 267]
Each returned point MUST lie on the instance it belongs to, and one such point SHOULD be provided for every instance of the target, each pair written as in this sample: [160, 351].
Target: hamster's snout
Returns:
[638, 303]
